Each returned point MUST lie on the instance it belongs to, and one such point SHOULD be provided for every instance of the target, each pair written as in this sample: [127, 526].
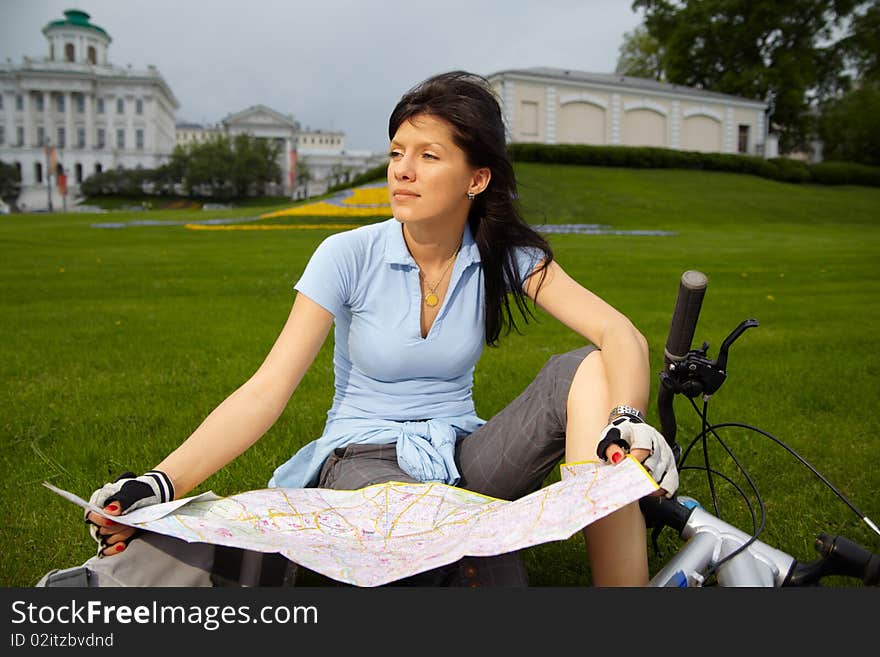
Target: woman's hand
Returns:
[127, 493]
[644, 443]
[112, 538]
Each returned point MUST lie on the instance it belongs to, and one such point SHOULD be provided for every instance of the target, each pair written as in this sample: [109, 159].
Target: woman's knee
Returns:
[563, 366]
[560, 370]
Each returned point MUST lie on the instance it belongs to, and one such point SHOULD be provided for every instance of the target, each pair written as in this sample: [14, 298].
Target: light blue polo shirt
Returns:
[392, 385]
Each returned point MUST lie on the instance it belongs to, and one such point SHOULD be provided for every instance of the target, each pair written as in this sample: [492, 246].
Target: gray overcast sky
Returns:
[332, 64]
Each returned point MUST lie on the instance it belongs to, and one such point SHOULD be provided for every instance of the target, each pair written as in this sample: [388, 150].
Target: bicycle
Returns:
[714, 547]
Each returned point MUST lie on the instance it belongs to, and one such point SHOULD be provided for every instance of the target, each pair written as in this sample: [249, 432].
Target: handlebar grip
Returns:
[691, 290]
[850, 558]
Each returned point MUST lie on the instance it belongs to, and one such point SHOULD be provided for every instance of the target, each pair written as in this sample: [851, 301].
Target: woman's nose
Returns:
[403, 169]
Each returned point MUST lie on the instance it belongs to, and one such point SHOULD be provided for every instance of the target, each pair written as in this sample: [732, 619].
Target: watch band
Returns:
[622, 410]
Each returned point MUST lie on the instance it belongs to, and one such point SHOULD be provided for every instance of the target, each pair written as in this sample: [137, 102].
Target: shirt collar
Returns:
[397, 253]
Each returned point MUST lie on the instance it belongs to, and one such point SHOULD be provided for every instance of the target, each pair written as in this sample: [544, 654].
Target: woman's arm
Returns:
[624, 348]
[243, 417]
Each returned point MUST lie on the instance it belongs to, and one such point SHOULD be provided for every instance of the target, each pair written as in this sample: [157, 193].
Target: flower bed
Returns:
[368, 201]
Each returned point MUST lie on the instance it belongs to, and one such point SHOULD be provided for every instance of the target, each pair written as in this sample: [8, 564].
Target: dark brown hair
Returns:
[467, 103]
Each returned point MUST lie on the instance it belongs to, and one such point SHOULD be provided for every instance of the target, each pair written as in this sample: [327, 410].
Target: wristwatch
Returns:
[623, 410]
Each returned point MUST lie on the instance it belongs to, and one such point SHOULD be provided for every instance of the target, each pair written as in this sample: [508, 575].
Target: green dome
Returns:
[76, 18]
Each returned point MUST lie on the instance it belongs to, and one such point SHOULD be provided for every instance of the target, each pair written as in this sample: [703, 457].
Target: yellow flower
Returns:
[368, 196]
[273, 227]
[369, 201]
[770, 297]
[324, 209]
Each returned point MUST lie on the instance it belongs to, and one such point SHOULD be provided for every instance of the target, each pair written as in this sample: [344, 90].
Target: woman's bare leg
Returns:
[616, 544]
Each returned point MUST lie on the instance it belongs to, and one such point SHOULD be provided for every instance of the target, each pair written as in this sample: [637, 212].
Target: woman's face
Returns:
[429, 176]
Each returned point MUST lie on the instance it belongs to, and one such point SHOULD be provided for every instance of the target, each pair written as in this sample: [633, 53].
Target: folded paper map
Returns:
[385, 532]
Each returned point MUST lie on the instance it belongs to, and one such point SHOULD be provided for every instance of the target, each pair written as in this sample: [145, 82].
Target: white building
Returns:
[96, 115]
[320, 153]
[187, 133]
[557, 106]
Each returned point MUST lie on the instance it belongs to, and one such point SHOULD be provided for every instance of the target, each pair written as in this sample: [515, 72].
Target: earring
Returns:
[471, 196]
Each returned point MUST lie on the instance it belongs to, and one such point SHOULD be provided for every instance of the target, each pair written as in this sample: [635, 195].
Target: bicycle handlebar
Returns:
[691, 289]
[839, 556]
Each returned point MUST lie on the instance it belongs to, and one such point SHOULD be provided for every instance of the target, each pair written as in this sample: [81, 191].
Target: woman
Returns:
[413, 300]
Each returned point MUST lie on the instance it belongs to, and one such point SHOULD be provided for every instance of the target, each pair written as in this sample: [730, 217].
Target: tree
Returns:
[209, 166]
[221, 167]
[10, 182]
[640, 55]
[848, 126]
[228, 168]
[861, 46]
[255, 164]
[782, 52]
[303, 175]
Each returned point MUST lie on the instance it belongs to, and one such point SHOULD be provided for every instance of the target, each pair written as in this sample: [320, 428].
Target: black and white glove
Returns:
[130, 492]
[631, 433]
[133, 492]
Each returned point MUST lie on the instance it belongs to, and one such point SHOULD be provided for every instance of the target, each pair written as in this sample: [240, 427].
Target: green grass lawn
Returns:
[117, 343]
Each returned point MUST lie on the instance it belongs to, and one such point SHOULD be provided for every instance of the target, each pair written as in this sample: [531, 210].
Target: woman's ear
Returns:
[480, 180]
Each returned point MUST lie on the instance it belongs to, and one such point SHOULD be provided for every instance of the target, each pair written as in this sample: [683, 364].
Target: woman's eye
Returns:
[429, 156]
[394, 154]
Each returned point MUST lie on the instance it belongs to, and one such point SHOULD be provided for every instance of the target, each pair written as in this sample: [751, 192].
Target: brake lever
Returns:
[698, 375]
[721, 362]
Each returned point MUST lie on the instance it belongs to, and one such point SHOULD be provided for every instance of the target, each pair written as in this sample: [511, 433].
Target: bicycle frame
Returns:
[709, 540]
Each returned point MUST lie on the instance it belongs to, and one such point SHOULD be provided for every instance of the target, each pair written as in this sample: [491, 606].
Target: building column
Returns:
[11, 125]
[48, 123]
[760, 135]
[675, 125]
[48, 130]
[130, 142]
[550, 116]
[615, 119]
[729, 132]
[285, 185]
[91, 132]
[68, 122]
[27, 171]
[507, 106]
[151, 143]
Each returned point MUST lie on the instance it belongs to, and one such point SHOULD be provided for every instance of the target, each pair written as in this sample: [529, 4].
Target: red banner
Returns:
[62, 184]
[291, 174]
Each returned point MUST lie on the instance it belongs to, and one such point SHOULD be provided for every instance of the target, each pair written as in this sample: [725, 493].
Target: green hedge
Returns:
[643, 157]
[846, 173]
[368, 176]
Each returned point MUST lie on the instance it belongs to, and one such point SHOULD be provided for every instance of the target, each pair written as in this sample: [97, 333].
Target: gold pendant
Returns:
[431, 300]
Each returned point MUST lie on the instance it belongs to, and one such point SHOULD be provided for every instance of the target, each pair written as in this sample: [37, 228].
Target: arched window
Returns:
[78, 170]
[38, 172]
[68, 52]
[98, 167]
[18, 168]
[93, 55]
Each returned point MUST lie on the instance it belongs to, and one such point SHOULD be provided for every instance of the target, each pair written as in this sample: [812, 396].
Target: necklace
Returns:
[431, 299]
